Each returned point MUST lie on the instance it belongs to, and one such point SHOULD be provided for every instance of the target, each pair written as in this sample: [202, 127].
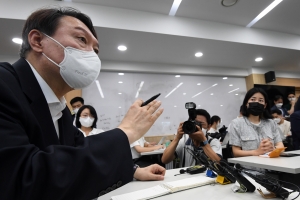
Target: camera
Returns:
[189, 126]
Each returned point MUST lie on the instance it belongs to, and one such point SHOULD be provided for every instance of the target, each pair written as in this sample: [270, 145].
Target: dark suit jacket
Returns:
[35, 164]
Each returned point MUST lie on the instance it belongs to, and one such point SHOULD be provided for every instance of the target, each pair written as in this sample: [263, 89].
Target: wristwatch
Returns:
[202, 144]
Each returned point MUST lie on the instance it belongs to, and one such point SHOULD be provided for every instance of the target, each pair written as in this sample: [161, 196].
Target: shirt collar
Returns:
[47, 91]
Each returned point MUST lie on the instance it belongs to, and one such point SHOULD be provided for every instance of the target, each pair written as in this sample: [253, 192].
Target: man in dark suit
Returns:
[43, 156]
[76, 103]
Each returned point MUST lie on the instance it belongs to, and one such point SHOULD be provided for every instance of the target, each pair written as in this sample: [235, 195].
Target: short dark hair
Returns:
[204, 113]
[75, 99]
[290, 92]
[277, 111]
[215, 118]
[93, 113]
[277, 97]
[266, 114]
[46, 20]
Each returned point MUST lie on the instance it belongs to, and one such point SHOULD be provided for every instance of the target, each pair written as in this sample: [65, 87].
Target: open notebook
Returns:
[166, 188]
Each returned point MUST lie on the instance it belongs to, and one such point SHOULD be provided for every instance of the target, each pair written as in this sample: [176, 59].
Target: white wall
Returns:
[110, 115]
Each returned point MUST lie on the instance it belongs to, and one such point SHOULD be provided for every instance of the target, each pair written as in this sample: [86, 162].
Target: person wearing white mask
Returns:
[86, 120]
[76, 103]
[45, 156]
[215, 124]
[290, 107]
[198, 141]
[278, 102]
[285, 126]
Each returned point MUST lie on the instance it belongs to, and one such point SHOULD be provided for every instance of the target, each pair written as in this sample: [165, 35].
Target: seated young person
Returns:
[215, 124]
[198, 141]
[278, 102]
[86, 120]
[141, 146]
[290, 107]
[256, 133]
[285, 126]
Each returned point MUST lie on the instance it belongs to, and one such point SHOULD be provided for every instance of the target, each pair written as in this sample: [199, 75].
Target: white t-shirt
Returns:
[187, 143]
[212, 130]
[139, 142]
[285, 127]
[95, 131]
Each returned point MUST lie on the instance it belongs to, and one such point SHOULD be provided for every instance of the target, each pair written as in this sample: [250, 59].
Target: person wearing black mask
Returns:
[255, 133]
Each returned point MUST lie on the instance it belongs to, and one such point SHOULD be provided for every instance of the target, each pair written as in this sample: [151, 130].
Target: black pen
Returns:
[149, 100]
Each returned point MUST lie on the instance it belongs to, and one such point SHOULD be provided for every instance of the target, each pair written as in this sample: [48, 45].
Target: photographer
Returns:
[198, 141]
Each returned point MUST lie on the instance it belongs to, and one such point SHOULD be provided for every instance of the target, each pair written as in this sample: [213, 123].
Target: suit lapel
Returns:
[37, 101]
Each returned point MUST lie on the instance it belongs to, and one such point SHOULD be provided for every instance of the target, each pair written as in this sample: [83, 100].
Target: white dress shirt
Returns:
[95, 131]
[56, 106]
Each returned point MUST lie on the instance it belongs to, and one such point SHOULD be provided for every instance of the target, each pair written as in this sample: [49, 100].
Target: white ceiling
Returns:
[149, 46]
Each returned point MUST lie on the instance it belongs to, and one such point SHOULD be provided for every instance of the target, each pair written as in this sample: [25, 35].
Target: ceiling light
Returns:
[120, 107]
[264, 12]
[225, 78]
[228, 3]
[230, 85]
[212, 94]
[121, 74]
[17, 40]
[99, 88]
[174, 90]
[174, 8]
[233, 90]
[175, 106]
[214, 84]
[236, 94]
[122, 48]
[198, 54]
[119, 93]
[177, 76]
[205, 90]
[199, 105]
[221, 105]
[138, 91]
[120, 82]
[198, 83]
[258, 59]
[184, 93]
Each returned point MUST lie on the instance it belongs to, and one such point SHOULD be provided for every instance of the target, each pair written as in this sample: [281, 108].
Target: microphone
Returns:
[245, 183]
[268, 182]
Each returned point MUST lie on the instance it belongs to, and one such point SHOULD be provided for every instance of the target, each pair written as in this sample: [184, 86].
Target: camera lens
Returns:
[189, 127]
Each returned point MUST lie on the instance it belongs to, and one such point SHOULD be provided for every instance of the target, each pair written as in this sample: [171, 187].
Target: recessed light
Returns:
[122, 48]
[184, 93]
[221, 105]
[177, 76]
[175, 106]
[214, 84]
[258, 59]
[17, 40]
[199, 105]
[236, 94]
[212, 94]
[120, 82]
[121, 74]
[230, 85]
[120, 107]
[198, 83]
[119, 93]
[198, 54]
[225, 78]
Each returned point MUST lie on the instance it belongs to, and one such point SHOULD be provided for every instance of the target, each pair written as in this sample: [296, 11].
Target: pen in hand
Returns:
[149, 100]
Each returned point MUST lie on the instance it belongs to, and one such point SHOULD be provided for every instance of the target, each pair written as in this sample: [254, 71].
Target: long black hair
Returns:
[93, 113]
[266, 114]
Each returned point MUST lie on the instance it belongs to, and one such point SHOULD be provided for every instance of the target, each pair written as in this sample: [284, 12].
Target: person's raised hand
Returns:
[198, 136]
[151, 173]
[179, 132]
[138, 120]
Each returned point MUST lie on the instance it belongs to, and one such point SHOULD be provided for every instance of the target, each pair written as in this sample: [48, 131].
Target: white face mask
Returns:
[292, 99]
[86, 121]
[79, 68]
[75, 110]
[277, 120]
[279, 105]
[218, 125]
[204, 130]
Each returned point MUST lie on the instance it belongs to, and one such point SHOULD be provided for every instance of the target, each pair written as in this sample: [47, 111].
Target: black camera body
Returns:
[189, 126]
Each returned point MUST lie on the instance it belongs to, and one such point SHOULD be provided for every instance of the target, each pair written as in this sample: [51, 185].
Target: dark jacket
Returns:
[35, 163]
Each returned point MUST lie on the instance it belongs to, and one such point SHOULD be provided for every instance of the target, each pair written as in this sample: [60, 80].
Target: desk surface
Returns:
[281, 164]
[159, 151]
[212, 192]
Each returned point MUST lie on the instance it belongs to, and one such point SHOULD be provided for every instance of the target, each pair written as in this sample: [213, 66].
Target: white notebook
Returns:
[166, 188]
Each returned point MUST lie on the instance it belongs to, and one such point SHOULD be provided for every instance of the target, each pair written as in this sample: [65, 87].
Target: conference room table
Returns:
[159, 151]
[210, 192]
